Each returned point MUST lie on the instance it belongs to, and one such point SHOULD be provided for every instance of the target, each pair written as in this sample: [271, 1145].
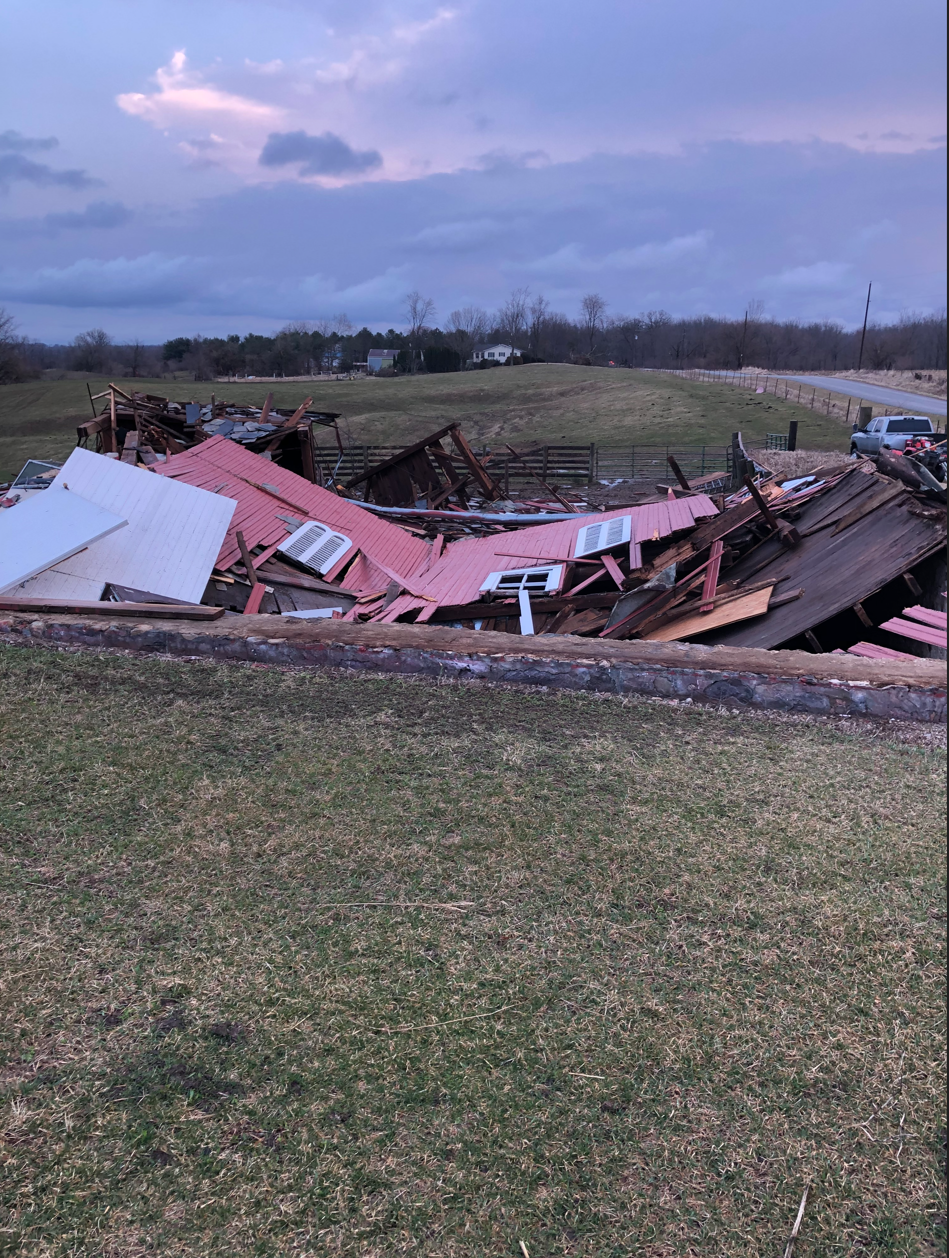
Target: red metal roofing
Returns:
[457, 576]
[224, 467]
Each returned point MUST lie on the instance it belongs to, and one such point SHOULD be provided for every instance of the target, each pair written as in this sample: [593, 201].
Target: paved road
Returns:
[911, 403]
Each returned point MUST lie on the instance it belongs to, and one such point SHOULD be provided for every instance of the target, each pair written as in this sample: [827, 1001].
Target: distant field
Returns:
[526, 405]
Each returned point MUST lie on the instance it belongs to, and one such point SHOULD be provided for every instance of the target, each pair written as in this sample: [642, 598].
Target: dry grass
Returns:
[715, 945]
[524, 405]
[928, 383]
[790, 463]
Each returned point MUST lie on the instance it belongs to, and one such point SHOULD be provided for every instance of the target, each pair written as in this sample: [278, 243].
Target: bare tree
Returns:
[93, 350]
[627, 331]
[512, 317]
[466, 328]
[419, 310]
[135, 357]
[12, 367]
[537, 316]
[593, 310]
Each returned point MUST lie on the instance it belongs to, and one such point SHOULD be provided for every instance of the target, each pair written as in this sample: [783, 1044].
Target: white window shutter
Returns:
[533, 580]
[315, 546]
[603, 535]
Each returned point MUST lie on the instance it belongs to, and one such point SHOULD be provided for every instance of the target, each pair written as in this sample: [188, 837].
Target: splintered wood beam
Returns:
[600, 572]
[248, 563]
[678, 473]
[787, 533]
[254, 599]
[489, 486]
[711, 576]
[862, 616]
[265, 411]
[615, 571]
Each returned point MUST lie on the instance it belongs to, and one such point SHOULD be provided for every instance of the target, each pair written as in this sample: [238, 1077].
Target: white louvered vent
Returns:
[533, 580]
[603, 535]
[315, 546]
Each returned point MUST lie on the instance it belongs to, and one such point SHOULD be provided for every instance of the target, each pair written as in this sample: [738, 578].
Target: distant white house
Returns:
[379, 359]
[495, 353]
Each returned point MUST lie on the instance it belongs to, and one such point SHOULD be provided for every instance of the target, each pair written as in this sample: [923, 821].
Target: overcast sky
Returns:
[211, 166]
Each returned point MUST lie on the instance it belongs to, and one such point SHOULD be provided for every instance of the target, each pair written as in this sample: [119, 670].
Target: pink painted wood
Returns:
[918, 633]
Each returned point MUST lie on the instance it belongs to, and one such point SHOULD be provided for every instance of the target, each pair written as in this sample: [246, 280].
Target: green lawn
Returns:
[695, 964]
[529, 405]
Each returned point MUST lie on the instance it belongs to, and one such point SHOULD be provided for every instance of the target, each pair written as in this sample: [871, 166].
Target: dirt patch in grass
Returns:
[692, 963]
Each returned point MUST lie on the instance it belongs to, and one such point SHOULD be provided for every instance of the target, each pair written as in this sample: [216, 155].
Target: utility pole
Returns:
[741, 352]
[864, 336]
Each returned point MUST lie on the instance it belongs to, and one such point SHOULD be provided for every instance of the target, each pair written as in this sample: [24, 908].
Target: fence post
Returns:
[592, 463]
[702, 473]
[632, 462]
[737, 463]
[792, 435]
[544, 472]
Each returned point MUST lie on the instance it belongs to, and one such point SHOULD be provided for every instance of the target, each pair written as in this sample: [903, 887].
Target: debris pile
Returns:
[203, 513]
[145, 428]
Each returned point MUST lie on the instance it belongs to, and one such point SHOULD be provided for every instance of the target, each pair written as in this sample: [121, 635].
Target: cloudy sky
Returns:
[211, 166]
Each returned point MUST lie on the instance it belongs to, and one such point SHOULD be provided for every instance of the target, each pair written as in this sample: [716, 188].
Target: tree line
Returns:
[594, 336]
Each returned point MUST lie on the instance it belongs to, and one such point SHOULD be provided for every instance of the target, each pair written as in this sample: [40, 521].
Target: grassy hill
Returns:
[527, 405]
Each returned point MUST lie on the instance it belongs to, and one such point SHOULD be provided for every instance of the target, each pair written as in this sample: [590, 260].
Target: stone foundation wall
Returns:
[790, 681]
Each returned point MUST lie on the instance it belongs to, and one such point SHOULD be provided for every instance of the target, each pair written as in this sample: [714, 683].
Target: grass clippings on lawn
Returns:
[629, 978]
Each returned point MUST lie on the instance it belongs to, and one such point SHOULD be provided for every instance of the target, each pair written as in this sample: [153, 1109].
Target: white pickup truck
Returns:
[889, 432]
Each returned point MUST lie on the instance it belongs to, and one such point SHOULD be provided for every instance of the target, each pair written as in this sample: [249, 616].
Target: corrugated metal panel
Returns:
[173, 534]
[227, 468]
[458, 575]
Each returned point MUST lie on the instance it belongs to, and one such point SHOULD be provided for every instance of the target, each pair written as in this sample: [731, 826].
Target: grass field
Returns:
[533, 404]
[697, 966]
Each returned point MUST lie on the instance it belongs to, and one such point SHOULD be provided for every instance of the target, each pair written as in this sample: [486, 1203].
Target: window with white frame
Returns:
[531, 580]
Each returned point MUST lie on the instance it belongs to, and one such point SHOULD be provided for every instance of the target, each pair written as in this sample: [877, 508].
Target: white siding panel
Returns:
[173, 536]
[47, 528]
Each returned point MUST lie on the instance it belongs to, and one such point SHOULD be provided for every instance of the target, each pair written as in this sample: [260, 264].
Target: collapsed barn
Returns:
[191, 511]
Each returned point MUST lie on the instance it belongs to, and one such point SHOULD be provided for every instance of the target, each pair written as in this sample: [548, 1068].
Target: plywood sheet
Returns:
[730, 613]
[169, 547]
[47, 528]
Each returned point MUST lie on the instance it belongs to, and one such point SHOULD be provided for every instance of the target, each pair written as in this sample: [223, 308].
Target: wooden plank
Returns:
[90, 607]
[871, 651]
[711, 576]
[927, 616]
[255, 598]
[248, 563]
[595, 576]
[613, 568]
[755, 604]
[489, 486]
[870, 503]
[918, 633]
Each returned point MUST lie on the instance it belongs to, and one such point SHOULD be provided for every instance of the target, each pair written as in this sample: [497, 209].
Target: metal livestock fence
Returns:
[557, 464]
